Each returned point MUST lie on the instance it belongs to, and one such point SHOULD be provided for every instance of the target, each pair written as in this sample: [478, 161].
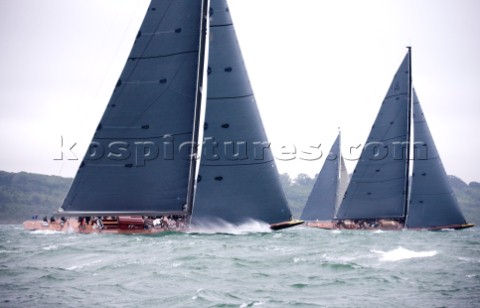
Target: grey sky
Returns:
[314, 65]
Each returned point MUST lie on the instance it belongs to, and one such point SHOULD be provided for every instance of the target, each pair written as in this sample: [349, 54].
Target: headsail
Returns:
[238, 179]
[139, 158]
[378, 187]
[432, 201]
[322, 201]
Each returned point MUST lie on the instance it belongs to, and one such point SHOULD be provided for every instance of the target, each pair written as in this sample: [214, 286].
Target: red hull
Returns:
[124, 225]
[73, 226]
[333, 225]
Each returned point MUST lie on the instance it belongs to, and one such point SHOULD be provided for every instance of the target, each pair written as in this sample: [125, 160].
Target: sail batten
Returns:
[230, 97]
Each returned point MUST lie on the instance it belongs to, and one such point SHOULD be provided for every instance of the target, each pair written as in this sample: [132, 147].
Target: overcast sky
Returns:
[314, 65]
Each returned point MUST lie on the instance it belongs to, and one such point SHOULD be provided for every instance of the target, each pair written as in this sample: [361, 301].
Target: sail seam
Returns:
[394, 137]
[230, 97]
[164, 56]
[233, 165]
[386, 180]
[439, 194]
[149, 137]
[394, 95]
[219, 26]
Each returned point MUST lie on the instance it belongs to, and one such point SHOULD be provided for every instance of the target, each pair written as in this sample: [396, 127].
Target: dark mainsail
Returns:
[139, 158]
[378, 187]
[432, 201]
[238, 179]
[322, 201]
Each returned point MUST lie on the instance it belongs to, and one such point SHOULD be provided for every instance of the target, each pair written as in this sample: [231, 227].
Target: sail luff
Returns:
[341, 164]
[409, 138]
[200, 101]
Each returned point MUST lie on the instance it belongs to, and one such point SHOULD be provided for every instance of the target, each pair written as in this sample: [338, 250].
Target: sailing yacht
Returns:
[393, 187]
[328, 190]
[141, 171]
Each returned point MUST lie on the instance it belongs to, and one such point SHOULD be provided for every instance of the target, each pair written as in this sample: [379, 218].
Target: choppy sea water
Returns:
[241, 267]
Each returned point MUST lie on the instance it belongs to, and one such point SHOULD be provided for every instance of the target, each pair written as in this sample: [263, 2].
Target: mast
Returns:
[339, 168]
[409, 135]
[199, 109]
[341, 180]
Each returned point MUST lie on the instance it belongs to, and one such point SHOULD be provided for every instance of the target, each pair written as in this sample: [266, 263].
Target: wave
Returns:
[401, 253]
[81, 266]
[251, 226]
[50, 247]
[46, 232]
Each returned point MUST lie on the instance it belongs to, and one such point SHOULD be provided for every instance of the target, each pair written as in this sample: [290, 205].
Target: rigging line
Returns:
[118, 48]
[124, 36]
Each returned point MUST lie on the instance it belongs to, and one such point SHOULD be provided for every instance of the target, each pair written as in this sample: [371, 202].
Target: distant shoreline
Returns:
[23, 195]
